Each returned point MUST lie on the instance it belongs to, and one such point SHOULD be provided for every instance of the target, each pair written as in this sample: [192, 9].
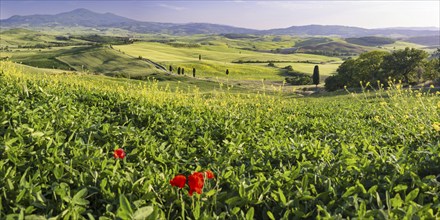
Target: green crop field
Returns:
[108, 61]
[216, 59]
[374, 155]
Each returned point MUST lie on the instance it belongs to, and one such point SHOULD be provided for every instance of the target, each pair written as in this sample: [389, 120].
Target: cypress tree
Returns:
[178, 71]
[200, 57]
[171, 68]
[227, 72]
[316, 76]
[194, 72]
[183, 71]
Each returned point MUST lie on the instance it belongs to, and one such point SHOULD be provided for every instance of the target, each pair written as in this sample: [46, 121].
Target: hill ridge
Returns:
[87, 18]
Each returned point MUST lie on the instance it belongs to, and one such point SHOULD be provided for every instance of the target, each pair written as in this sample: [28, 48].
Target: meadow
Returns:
[372, 155]
[216, 59]
[250, 60]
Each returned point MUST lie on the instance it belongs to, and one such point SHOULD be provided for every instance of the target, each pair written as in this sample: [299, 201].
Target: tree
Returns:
[409, 65]
[369, 67]
[171, 68]
[344, 76]
[183, 71]
[403, 63]
[178, 71]
[316, 76]
[227, 72]
[194, 72]
[200, 57]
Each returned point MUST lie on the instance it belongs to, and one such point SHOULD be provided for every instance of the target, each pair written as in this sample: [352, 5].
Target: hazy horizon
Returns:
[250, 14]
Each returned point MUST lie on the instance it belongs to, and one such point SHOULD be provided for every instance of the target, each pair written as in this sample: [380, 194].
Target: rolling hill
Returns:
[87, 18]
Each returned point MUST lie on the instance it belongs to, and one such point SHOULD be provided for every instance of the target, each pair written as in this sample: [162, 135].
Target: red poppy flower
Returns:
[195, 182]
[209, 174]
[178, 181]
[119, 153]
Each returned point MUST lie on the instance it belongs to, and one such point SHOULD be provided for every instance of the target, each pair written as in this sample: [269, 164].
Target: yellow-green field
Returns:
[246, 57]
[108, 61]
[216, 59]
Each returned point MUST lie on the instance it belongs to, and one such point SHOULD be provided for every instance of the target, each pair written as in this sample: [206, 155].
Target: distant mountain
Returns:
[324, 30]
[433, 41]
[413, 28]
[345, 31]
[87, 18]
[78, 17]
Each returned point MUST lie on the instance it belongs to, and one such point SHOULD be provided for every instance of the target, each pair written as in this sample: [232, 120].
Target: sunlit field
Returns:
[79, 146]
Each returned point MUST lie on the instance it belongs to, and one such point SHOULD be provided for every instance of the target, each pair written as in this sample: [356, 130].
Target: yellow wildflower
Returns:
[436, 126]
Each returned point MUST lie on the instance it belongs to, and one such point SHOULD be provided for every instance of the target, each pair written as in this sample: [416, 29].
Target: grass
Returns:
[216, 59]
[219, 53]
[44, 58]
[108, 62]
[369, 155]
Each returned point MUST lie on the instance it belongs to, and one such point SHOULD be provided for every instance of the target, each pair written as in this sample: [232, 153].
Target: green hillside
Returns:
[109, 62]
[249, 59]
[371, 156]
[215, 59]
[371, 41]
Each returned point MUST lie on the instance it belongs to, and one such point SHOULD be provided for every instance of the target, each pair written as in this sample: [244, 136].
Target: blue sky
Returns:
[250, 14]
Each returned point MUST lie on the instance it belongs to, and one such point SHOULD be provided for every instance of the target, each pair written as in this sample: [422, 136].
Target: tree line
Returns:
[181, 71]
[411, 66]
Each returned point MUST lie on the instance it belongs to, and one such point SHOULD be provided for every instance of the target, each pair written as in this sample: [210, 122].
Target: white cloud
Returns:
[172, 7]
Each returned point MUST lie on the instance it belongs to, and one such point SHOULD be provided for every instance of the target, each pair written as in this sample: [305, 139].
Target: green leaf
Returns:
[143, 213]
[58, 172]
[400, 187]
[124, 211]
[235, 210]
[227, 174]
[37, 134]
[362, 209]
[412, 195]
[306, 198]
[90, 216]
[270, 215]
[78, 198]
[361, 187]
[350, 191]
[233, 200]
[282, 197]
[35, 217]
[196, 211]
[211, 193]
[396, 202]
[250, 214]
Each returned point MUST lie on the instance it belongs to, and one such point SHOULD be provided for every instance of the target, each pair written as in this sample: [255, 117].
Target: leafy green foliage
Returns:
[378, 67]
[361, 156]
[315, 75]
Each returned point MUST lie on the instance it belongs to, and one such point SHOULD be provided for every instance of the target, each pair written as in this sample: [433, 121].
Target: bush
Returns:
[333, 83]
[296, 78]
[289, 68]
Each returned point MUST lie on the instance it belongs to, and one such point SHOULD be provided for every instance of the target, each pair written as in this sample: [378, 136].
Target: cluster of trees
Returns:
[411, 66]
[98, 39]
[297, 78]
[183, 45]
[181, 70]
